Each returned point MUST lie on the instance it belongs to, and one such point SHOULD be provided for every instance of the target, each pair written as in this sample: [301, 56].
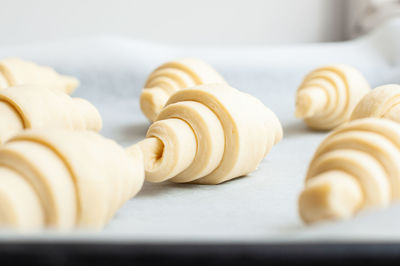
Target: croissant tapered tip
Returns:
[70, 83]
[303, 106]
[308, 103]
[330, 196]
[152, 100]
[90, 115]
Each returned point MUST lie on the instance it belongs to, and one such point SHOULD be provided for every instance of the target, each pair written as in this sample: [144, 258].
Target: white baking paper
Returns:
[259, 207]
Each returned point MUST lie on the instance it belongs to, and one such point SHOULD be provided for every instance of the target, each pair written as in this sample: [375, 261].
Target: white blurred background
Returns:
[193, 22]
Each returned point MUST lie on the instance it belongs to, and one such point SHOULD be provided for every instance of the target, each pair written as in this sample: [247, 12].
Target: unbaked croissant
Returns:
[355, 167]
[381, 102]
[171, 77]
[34, 106]
[327, 96]
[14, 71]
[64, 179]
[209, 134]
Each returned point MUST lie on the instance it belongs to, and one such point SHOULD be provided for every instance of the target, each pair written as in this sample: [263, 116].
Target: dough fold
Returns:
[328, 95]
[355, 167]
[65, 179]
[209, 134]
[381, 102]
[171, 77]
[14, 71]
[33, 106]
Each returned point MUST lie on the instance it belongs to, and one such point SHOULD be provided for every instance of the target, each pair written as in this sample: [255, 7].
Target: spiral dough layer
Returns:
[209, 134]
[14, 71]
[381, 102]
[327, 96]
[171, 77]
[355, 167]
[64, 179]
[33, 106]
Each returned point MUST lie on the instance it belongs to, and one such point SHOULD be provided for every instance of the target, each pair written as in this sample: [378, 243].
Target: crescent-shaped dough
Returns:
[355, 167]
[34, 106]
[381, 102]
[14, 71]
[327, 96]
[209, 134]
[171, 77]
[64, 179]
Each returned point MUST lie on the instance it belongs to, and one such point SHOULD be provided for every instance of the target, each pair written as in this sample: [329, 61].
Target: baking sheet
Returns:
[261, 207]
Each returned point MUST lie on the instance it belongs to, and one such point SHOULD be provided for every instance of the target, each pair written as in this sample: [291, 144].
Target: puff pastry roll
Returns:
[381, 102]
[328, 95]
[34, 106]
[64, 179]
[171, 77]
[355, 167]
[14, 71]
[209, 134]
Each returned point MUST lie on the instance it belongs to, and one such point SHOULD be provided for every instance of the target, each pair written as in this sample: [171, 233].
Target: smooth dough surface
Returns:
[171, 77]
[64, 179]
[34, 106]
[328, 95]
[14, 71]
[355, 167]
[209, 134]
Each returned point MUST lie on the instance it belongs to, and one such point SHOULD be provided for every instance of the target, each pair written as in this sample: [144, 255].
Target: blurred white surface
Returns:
[260, 207]
[175, 21]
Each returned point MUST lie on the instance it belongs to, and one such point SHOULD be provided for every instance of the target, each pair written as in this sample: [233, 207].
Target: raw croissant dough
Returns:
[34, 106]
[381, 102]
[209, 134]
[171, 77]
[64, 179]
[14, 71]
[355, 167]
[327, 96]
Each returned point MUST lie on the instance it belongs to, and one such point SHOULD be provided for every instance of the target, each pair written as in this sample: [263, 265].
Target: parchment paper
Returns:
[259, 207]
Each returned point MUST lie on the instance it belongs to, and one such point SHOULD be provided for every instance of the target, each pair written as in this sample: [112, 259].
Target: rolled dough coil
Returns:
[209, 134]
[14, 72]
[328, 95]
[171, 77]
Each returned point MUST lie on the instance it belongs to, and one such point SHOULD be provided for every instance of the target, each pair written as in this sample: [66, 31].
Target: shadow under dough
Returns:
[153, 189]
[296, 128]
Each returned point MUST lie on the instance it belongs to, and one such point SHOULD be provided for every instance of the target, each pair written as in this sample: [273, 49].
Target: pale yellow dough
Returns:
[355, 167]
[64, 179]
[14, 71]
[381, 102]
[36, 106]
[209, 134]
[328, 95]
[171, 77]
